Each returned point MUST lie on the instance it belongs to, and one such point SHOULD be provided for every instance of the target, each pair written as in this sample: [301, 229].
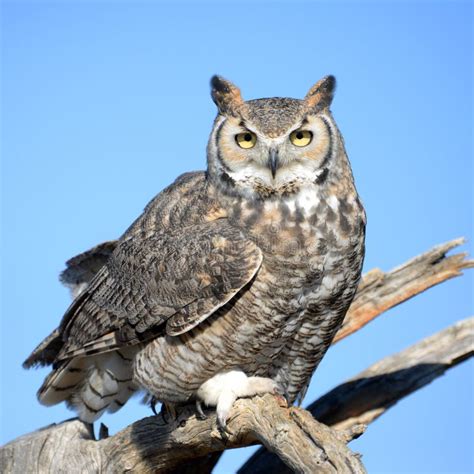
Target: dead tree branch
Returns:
[304, 445]
[150, 445]
[379, 291]
[395, 377]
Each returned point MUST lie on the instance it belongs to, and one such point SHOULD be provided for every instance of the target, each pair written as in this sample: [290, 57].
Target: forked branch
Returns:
[379, 291]
[304, 445]
[151, 445]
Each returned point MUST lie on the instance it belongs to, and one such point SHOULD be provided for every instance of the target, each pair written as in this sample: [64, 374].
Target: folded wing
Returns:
[164, 283]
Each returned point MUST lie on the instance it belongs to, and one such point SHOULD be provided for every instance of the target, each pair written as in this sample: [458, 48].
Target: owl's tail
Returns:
[91, 385]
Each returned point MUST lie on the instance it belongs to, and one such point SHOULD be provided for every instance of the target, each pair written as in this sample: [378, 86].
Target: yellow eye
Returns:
[301, 137]
[246, 139]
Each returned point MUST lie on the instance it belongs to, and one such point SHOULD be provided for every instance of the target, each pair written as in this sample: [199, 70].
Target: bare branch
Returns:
[305, 445]
[150, 445]
[367, 396]
[379, 291]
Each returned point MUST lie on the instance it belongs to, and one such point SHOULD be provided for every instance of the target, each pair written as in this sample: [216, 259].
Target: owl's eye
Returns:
[246, 139]
[301, 137]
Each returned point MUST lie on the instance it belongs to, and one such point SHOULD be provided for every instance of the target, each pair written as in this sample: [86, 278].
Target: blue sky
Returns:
[105, 103]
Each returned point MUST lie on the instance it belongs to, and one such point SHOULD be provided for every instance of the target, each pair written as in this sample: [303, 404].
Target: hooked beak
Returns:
[273, 162]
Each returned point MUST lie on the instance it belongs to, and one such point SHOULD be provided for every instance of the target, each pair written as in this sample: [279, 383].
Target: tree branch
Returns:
[364, 398]
[150, 445]
[379, 291]
[304, 444]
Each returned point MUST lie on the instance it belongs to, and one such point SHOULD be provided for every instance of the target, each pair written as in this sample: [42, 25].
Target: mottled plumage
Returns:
[232, 282]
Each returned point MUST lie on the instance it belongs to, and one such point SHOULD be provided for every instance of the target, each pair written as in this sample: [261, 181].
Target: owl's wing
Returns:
[81, 269]
[79, 272]
[178, 278]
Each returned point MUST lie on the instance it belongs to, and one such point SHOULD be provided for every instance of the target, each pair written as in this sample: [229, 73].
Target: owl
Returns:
[232, 282]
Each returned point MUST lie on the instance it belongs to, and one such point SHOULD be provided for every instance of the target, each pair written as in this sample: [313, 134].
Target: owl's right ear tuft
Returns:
[321, 94]
[225, 95]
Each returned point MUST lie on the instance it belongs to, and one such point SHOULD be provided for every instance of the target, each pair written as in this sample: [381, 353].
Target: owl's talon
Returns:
[224, 388]
[281, 399]
[168, 413]
[200, 414]
[222, 425]
[153, 403]
[282, 395]
[90, 428]
[103, 431]
[164, 415]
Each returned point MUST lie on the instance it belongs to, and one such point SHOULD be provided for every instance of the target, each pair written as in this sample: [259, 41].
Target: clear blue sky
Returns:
[104, 104]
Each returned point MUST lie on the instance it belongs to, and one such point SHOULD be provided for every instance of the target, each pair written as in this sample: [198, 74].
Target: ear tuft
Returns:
[321, 94]
[225, 95]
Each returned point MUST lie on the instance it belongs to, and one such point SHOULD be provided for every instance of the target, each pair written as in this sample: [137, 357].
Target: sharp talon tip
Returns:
[200, 414]
[153, 403]
[223, 428]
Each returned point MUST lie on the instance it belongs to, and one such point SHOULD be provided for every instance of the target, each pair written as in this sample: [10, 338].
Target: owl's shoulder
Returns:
[191, 199]
[185, 186]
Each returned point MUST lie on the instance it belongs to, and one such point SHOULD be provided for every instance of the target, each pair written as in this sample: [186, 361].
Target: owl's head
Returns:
[271, 146]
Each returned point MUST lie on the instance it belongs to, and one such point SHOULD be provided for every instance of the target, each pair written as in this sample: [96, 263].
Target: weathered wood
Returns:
[305, 445]
[151, 445]
[379, 291]
[365, 397]
[371, 393]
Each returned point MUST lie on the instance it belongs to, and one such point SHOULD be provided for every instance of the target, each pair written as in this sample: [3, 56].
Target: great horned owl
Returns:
[232, 282]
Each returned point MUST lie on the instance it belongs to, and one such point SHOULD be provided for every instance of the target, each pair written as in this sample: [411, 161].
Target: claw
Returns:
[223, 389]
[168, 411]
[153, 402]
[90, 428]
[201, 415]
[282, 396]
[222, 425]
[103, 432]
[282, 400]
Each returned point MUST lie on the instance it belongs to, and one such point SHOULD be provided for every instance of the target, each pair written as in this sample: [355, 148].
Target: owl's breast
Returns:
[313, 252]
[313, 248]
[307, 234]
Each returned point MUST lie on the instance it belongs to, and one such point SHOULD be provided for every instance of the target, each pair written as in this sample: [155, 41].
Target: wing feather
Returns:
[81, 269]
[178, 278]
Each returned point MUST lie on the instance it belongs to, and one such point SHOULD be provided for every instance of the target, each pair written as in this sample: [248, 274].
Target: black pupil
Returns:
[248, 137]
[299, 135]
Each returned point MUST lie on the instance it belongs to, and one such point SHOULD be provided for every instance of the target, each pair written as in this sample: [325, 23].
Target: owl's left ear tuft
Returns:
[321, 94]
[225, 95]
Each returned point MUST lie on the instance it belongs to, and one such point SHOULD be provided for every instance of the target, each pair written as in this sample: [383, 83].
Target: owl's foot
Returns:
[200, 414]
[282, 399]
[223, 389]
[168, 412]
